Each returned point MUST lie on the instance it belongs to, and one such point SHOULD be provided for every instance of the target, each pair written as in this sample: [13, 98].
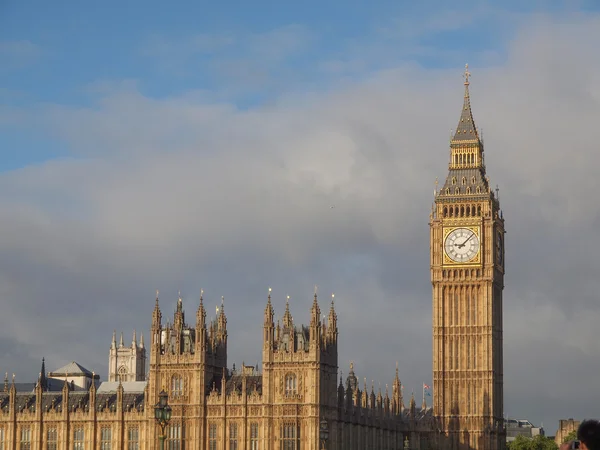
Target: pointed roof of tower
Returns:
[466, 130]
[287, 316]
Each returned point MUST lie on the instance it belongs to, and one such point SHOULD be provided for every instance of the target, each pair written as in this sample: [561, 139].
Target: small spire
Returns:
[114, 339]
[141, 340]
[467, 74]
[134, 340]
[121, 341]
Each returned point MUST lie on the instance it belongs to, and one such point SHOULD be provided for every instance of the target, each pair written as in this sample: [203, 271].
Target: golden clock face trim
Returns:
[462, 245]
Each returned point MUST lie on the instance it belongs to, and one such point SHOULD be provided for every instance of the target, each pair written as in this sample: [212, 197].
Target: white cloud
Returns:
[181, 193]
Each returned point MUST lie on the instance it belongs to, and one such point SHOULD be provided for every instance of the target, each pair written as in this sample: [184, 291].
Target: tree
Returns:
[571, 436]
[537, 443]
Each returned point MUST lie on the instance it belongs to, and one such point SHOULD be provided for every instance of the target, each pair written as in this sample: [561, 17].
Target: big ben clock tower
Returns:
[467, 274]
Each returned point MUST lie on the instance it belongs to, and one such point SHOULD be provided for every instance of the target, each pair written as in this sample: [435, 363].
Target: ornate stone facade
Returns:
[215, 408]
[127, 363]
[467, 273]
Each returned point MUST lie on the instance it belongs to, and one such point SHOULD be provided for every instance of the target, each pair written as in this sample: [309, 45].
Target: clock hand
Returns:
[464, 243]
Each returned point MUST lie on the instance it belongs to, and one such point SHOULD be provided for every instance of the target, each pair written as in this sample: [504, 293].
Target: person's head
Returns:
[589, 434]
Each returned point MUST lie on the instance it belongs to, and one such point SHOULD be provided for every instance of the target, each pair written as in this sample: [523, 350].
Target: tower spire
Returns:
[466, 130]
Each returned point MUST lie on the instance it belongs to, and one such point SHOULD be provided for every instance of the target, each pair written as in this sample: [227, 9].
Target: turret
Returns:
[201, 325]
[268, 325]
[134, 340]
[121, 343]
[113, 344]
[315, 323]
[397, 402]
[156, 315]
[332, 329]
[287, 316]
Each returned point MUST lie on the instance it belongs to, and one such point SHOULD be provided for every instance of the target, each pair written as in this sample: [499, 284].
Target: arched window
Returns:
[472, 180]
[176, 386]
[233, 436]
[122, 374]
[468, 209]
[445, 212]
[479, 210]
[468, 190]
[462, 211]
[453, 180]
[457, 190]
[464, 181]
[478, 190]
[291, 384]
[447, 191]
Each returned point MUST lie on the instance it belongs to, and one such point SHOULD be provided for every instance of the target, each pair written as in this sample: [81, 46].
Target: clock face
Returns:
[499, 248]
[461, 245]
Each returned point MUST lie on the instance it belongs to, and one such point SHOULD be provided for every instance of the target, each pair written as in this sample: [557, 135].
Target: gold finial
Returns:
[269, 290]
[332, 297]
[316, 289]
[467, 74]
[288, 299]
[157, 293]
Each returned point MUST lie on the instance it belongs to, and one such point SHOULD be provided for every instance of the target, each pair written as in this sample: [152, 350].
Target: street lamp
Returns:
[162, 414]
[323, 433]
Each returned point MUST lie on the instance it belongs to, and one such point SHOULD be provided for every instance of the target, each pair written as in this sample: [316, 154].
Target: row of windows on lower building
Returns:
[290, 436]
[78, 438]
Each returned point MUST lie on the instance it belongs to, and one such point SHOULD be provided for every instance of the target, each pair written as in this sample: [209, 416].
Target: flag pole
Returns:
[424, 393]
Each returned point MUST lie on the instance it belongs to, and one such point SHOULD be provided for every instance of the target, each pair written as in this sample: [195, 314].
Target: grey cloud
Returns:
[179, 194]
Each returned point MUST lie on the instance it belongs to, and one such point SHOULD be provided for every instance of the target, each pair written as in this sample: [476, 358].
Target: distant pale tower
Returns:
[127, 363]
[467, 273]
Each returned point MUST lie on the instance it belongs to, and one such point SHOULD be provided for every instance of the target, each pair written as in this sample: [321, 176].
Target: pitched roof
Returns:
[466, 129]
[72, 369]
[128, 386]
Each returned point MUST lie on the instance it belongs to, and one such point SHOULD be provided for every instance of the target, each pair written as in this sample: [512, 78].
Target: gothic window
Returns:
[462, 211]
[291, 384]
[133, 438]
[451, 211]
[122, 374]
[453, 180]
[468, 190]
[468, 207]
[447, 191]
[233, 436]
[289, 436]
[254, 436]
[212, 437]
[464, 180]
[78, 437]
[445, 212]
[174, 437]
[51, 439]
[457, 190]
[25, 442]
[479, 210]
[105, 438]
[478, 190]
[473, 180]
[176, 386]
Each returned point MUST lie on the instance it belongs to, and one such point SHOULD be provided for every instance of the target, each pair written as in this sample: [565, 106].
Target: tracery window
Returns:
[176, 386]
[254, 436]
[291, 384]
[122, 373]
[174, 437]
[289, 436]
[78, 437]
[133, 438]
[105, 438]
[212, 437]
[51, 439]
[25, 443]
[233, 436]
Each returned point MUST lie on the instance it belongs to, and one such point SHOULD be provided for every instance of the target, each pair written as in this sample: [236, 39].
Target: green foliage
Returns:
[537, 443]
[571, 436]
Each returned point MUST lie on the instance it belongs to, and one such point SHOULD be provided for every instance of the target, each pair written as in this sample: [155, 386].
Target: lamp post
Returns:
[323, 433]
[162, 414]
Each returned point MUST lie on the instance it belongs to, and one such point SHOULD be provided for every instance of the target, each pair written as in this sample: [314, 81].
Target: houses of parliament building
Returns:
[281, 405]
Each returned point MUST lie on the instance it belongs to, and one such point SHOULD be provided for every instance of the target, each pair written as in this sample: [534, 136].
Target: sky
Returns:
[202, 145]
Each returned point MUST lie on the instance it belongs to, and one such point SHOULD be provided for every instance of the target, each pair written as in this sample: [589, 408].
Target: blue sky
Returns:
[193, 145]
[245, 53]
